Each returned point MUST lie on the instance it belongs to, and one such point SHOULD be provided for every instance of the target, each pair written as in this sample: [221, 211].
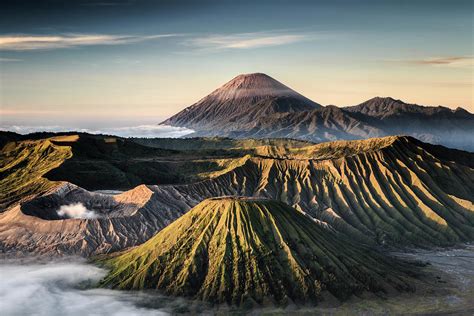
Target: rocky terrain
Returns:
[119, 222]
[392, 191]
[237, 110]
[245, 250]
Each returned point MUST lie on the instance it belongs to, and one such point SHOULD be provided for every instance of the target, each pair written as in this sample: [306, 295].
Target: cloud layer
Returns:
[150, 131]
[40, 42]
[159, 131]
[52, 289]
[9, 60]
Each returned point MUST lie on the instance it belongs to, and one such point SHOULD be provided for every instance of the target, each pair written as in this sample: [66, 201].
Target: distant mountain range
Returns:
[258, 106]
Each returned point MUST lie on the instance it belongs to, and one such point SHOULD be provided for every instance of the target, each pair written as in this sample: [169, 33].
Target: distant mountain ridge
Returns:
[256, 105]
[387, 106]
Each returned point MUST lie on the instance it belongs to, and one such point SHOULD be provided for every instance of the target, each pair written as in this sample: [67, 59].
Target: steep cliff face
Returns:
[239, 250]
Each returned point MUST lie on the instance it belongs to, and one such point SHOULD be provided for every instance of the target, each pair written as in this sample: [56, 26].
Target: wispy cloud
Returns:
[25, 42]
[447, 61]
[9, 60]
[45, 42]
[246, 40]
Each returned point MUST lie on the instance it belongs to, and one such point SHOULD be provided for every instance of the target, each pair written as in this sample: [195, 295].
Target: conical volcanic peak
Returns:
[256, 85]
[239, 250]
[239, 103]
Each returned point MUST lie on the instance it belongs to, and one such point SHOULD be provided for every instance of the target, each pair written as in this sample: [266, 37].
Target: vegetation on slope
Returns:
[23, 165]
[237, 250]
[393, 191]
[99, 162]
[204, 144]
[106, 162]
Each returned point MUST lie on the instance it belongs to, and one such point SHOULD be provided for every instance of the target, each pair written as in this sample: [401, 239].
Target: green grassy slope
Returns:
[23, 165]
[392, 190]
[106, 162]
[31, 165]
[235, 250]
[216, 143]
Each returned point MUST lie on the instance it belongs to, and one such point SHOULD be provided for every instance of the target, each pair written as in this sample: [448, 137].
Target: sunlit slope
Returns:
[236, 250]
[218, 143]
[121, 221]
[392, 190]
[104, 162]
[22, 166]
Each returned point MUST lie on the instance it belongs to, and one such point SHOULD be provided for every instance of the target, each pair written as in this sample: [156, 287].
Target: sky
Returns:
[99, 64]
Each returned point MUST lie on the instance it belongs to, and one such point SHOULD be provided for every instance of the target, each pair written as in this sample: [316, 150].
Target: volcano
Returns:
[237, 250]
[239, 103]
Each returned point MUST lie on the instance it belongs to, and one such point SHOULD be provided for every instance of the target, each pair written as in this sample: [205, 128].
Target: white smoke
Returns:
[76, 210]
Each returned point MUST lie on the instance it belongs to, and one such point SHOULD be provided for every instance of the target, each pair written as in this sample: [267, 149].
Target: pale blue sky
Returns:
[141, 61]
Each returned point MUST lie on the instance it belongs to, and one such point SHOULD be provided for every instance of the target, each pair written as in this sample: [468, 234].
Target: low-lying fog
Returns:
[144, 130]
[65, 288]
[58, 289]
